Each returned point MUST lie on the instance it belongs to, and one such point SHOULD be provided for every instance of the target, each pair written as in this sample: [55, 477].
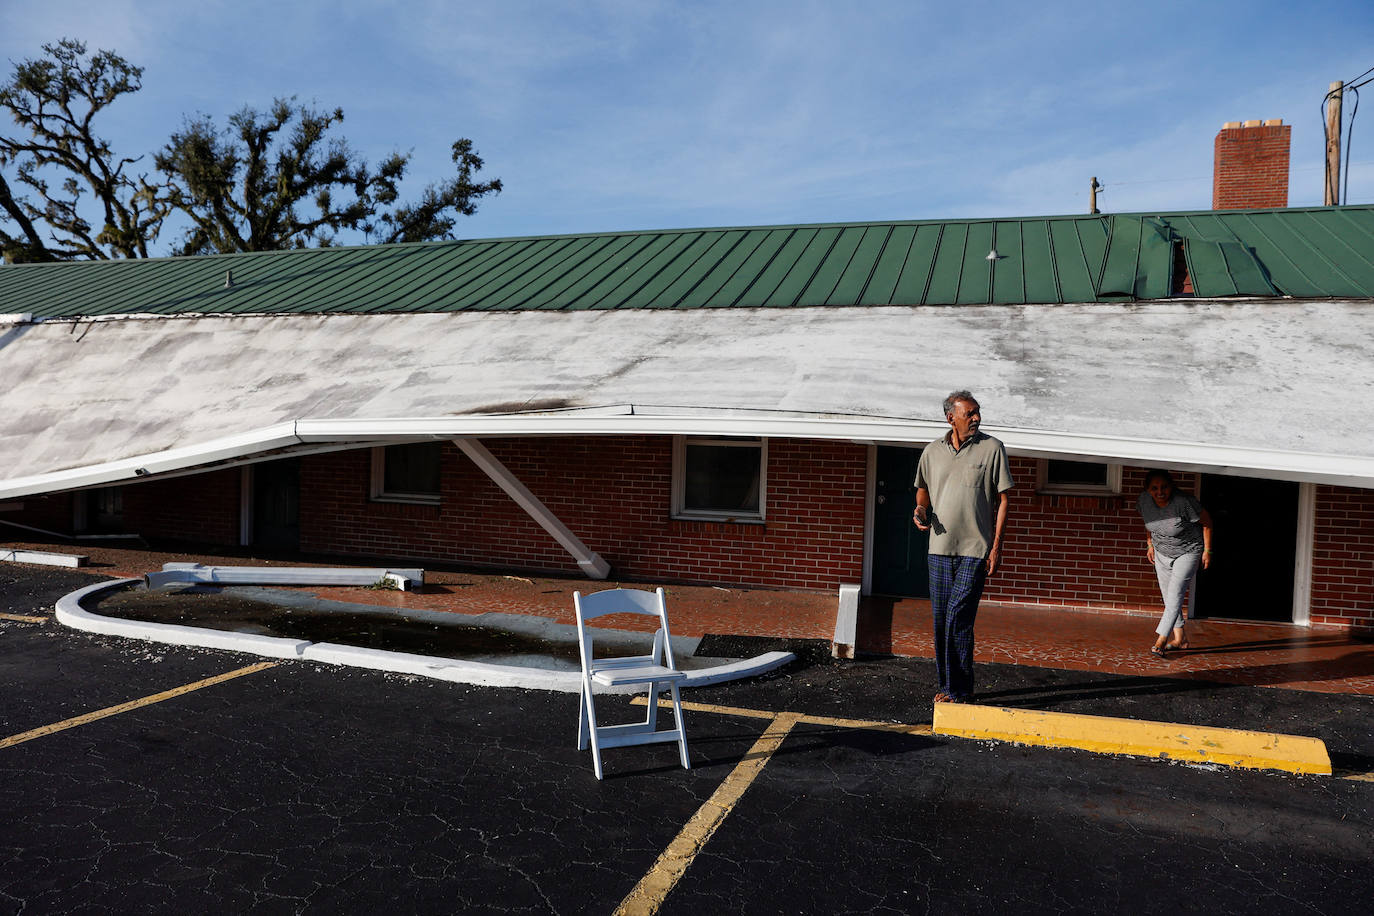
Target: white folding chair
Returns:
[656, 669]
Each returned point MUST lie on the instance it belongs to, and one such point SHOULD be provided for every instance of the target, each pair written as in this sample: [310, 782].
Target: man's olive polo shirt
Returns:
[963, 489]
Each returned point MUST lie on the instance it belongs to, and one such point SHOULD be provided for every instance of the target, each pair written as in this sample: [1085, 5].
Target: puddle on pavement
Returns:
[224, 610]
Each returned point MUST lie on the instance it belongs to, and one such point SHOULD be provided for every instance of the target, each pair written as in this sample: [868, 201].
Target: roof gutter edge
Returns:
[1346, 470]
[1343, 470]
[281, 435]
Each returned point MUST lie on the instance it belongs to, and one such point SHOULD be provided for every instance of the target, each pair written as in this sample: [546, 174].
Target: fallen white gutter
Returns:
[196, 574]
[1345, 470]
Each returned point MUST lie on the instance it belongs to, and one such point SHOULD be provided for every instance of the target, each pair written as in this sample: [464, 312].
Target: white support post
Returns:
[1302, 566]
[590, 562]
[846, 623]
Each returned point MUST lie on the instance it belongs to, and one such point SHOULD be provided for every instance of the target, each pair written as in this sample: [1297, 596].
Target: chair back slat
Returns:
[619, 601]
[622, 601]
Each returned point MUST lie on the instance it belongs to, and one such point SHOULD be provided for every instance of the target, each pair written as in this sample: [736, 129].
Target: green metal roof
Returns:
[1325, 252]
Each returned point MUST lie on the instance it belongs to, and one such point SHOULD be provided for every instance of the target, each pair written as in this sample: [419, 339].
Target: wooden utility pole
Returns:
[1092, 196]
[1331, 196]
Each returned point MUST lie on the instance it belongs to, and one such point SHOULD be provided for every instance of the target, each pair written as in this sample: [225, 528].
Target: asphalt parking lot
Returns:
[219, 782]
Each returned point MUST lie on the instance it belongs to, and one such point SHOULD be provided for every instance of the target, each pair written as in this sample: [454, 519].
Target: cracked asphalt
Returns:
[302, 788]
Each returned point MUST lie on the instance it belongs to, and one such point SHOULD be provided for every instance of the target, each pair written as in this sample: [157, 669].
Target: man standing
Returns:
[961, 499]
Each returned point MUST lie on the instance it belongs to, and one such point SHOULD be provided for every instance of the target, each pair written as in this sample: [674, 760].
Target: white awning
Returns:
[1265, 388]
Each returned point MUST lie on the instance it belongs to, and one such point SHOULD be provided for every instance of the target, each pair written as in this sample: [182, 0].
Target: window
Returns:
[721, 478]
[1077, 478]
[406, 473]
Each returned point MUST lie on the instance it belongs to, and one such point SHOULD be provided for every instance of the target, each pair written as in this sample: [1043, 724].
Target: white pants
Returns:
[1175, 575]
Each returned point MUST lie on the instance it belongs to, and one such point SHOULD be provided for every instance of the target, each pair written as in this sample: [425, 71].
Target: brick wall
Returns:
[51, 513]
[1250, 165]
[1075, 551]
[1343, 558]
[615, 494]
[203, 508]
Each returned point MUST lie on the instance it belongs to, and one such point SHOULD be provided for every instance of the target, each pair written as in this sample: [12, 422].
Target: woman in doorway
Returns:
[1178, 535]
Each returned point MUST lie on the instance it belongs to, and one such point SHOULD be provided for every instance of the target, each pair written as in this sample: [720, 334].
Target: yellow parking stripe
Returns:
[649, 894]
[22, 618]
[901, 728]
[132, 704]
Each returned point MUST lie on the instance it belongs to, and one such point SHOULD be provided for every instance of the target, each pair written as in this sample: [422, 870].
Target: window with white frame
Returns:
[720, 478]
[406, 473]
[1077, 478]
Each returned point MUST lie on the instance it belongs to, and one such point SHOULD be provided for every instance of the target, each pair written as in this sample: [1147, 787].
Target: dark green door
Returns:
[276, 504]
[1255, 540]
[899, 549]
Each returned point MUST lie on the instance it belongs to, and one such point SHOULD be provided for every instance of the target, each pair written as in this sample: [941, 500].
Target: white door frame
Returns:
[1304, 551]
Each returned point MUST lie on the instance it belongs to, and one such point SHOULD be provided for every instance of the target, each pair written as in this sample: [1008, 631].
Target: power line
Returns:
[1306, 168]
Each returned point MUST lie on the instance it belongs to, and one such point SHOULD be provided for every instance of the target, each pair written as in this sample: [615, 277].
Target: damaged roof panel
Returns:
[1235, 377]
[1319, 252]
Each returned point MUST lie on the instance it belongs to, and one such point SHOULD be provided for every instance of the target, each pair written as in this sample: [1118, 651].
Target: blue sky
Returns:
[641, 114]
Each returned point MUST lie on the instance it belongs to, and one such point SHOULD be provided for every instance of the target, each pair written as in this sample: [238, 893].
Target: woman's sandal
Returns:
[1159, 651]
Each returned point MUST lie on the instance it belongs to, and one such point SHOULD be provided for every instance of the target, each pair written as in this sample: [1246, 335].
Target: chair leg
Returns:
[582, 720]
[681, 727]
[651, 713]
[590, 708]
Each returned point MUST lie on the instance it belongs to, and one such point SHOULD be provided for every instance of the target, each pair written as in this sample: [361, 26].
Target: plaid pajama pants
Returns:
[956, 586]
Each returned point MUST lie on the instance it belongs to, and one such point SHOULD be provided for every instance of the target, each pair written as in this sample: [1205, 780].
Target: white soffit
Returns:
[1268, 388]
[315, 436]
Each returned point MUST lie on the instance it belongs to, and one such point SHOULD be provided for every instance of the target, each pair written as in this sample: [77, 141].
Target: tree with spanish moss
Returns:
[276, 179]
[281, 179]
[64, 193]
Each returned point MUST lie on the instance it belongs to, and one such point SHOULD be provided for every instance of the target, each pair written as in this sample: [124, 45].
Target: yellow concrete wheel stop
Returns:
[1106, 735]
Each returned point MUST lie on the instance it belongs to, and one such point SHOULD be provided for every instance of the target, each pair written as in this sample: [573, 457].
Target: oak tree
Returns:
[276, 179]
[282, 179]
[64, 193]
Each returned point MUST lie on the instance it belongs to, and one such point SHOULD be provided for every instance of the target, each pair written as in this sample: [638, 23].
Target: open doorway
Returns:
[1255, 539]
[276, 504]
[899, 548]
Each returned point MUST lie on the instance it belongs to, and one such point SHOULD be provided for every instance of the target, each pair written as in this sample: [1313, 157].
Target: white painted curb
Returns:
[71, 613]
[745, 667]
[445, 669]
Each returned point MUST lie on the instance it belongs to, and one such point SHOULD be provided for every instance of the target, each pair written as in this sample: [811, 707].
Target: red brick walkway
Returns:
[1327, 661]
[1231, 652]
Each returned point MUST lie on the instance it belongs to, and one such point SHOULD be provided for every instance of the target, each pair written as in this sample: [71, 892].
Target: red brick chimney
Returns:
[1250, 166]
